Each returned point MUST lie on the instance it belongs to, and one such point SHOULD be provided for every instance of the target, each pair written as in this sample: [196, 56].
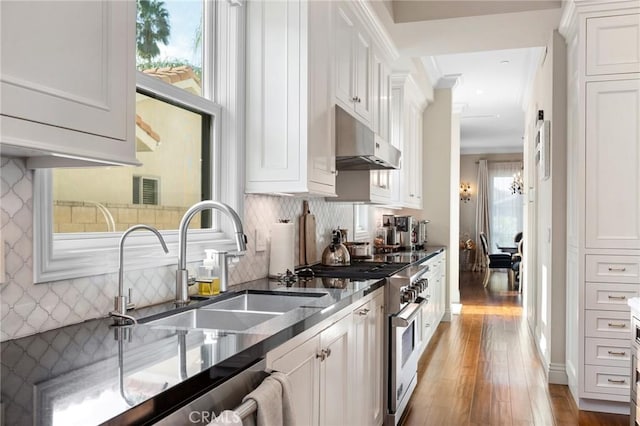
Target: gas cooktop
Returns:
[360, 270]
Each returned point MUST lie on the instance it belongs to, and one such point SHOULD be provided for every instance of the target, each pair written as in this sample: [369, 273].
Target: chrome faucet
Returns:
[121, 303]
[182, 276]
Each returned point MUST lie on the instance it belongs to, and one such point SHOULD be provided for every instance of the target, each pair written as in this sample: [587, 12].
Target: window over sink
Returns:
[181, 56]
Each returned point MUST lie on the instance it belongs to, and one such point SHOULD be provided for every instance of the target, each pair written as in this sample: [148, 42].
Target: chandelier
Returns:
[517, 186]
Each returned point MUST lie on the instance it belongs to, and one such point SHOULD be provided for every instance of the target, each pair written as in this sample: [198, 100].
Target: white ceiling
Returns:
[472, 42]
[491, 95]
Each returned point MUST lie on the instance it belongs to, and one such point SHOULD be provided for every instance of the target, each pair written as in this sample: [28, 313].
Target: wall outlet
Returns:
[261, 240]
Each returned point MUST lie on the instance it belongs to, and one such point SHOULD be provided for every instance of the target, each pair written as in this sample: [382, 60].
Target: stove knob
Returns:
[405, 297]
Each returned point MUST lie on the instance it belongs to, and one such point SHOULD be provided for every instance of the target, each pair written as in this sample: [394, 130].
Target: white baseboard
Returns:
[612, 407]
[557, 374]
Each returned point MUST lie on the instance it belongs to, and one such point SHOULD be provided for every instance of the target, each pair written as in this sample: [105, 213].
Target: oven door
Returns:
[403, 360]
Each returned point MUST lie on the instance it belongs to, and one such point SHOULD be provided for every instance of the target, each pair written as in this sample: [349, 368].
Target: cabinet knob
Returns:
[321, 355]
[363, 312]
[354, 99]
[358, 100]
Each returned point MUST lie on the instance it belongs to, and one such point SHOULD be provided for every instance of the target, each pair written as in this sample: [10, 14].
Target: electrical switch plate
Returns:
[261, 240]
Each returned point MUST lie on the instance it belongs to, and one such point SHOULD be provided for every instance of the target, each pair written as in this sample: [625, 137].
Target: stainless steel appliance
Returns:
[406, 294]
[404, 226]
[422, 232]
[357, 148]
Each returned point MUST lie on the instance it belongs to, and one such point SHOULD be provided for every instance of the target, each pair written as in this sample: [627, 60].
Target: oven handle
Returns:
[408, 314]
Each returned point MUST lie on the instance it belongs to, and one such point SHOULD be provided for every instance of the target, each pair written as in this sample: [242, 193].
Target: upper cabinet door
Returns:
[69, 65]
[344, 57]
[613, 44]
[362, 77]
[353, 68]
[613, 164]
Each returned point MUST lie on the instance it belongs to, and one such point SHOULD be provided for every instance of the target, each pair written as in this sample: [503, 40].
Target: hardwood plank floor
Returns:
[482, 368]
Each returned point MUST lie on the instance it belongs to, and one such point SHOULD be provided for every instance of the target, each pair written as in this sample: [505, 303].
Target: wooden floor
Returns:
[482, 369]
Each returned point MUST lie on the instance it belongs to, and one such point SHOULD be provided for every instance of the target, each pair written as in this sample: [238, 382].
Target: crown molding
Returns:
[376, 29]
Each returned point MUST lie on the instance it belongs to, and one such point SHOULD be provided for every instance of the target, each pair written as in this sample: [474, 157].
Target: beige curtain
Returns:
[482, 214]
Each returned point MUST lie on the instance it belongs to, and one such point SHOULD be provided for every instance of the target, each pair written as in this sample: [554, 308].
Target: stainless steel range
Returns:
[405, 294]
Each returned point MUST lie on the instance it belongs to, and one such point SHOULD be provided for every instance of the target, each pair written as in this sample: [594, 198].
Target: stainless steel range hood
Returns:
[357, 148]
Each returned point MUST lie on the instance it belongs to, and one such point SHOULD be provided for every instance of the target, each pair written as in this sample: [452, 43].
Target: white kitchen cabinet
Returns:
[321, 374]
[68, 91]
[613, 161]
[335, 368]
[614, 44]
[290, 137]
[380, 180]
[433, 310]
[603, 198]
[353, 68]
[368, 330]
[302, 367]
[406, 134]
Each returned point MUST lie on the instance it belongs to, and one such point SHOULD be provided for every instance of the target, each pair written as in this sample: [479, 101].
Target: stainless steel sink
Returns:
[237, 313]
[213, 320]
[259, 302]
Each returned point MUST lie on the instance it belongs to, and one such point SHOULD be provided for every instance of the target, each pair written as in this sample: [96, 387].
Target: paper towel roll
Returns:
[282, 248]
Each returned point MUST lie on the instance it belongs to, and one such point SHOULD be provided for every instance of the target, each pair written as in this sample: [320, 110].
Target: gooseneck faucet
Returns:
[121, 302]
[182, 276]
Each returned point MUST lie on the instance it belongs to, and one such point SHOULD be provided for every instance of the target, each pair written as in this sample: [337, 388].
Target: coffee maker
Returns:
[404, 226]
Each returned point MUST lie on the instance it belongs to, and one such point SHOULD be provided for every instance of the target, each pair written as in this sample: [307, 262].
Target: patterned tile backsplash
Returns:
[28, 309]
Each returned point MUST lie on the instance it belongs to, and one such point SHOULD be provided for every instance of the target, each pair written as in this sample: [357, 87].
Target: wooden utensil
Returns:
[307, 236]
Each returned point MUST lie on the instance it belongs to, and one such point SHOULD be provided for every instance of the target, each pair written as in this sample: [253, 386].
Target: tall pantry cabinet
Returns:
[603, 205]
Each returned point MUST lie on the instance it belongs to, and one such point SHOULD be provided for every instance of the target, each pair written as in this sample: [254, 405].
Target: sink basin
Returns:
[213, 320]
[259, 302]
[237, 313]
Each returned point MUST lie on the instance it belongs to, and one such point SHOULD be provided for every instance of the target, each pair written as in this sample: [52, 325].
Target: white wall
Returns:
[545, 256]
[440, 174]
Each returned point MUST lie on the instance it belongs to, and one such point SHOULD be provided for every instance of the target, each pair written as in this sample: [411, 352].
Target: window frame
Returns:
[90, 254]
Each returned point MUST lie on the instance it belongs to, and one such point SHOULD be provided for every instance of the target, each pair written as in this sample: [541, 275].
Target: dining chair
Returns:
[496, 261]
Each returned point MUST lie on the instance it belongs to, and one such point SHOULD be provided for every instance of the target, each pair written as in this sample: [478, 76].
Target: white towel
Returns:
[273, 398]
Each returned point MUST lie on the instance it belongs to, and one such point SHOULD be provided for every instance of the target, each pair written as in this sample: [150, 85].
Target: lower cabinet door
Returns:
[336, 373]
[301, 365]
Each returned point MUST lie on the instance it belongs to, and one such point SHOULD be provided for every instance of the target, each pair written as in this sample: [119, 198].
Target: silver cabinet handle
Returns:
[621, 381]
[324, 354]
[612, 269]
[617, 297]
[616, 325]
[363, 312]
[623, 353]
[427, 325]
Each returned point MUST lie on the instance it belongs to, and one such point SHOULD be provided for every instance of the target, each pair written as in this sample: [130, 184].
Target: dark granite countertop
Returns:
[72, 375]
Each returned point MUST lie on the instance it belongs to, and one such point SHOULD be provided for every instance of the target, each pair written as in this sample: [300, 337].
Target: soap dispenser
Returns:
[209, 275]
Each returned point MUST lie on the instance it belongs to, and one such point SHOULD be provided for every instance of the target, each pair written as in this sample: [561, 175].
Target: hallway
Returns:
[482, 369]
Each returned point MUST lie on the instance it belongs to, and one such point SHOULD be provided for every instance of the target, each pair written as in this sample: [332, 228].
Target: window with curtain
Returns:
[505, 208]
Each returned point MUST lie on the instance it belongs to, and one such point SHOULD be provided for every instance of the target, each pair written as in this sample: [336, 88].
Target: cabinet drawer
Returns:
[609, 380]
[610, 297]
[619, 269]
[610, 352]
[613, 44]
[608, 324]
